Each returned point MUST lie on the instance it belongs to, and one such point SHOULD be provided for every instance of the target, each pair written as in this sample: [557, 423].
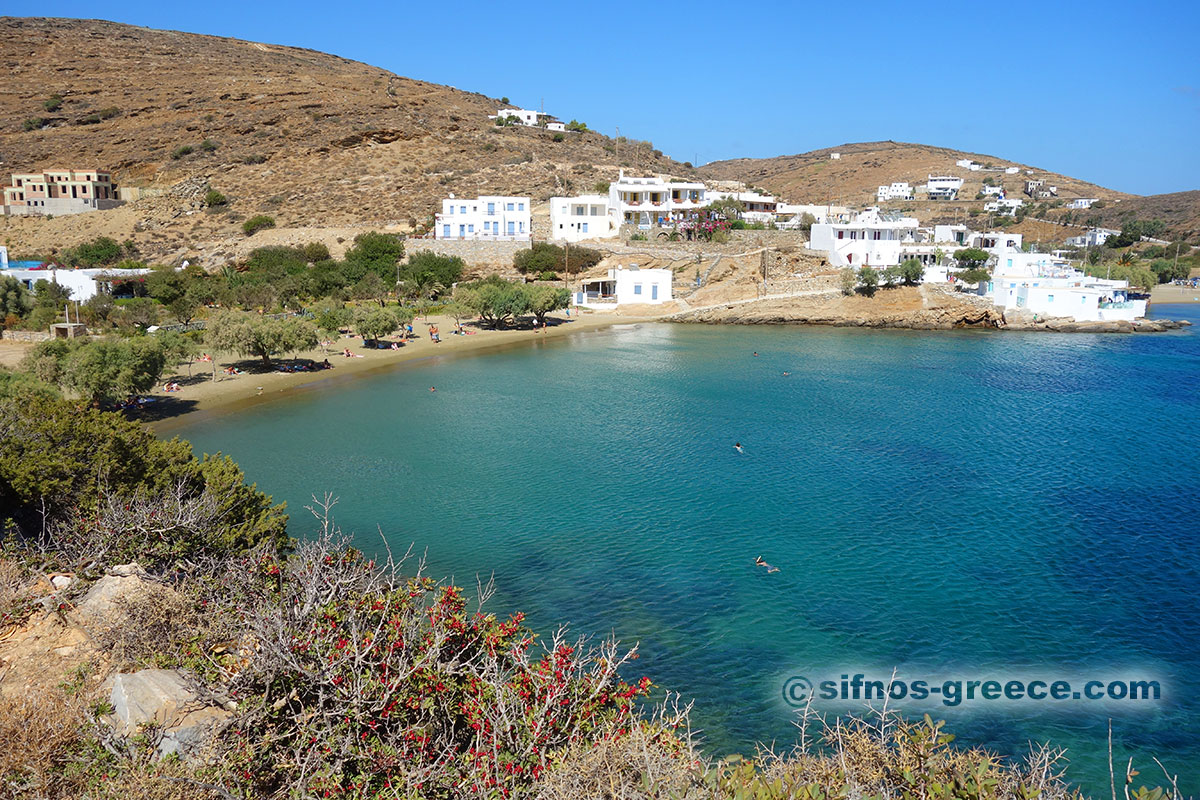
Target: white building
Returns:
[1004, 206]
[1049, 287]
[899, 190]
[574, 219]
[649, 201]
[872, 239]
[789, 215]
[943, 187]
[1093, 238]
[1083, 202]
[992, 191]
[625, 287]
[3, 257]
[756, 207]
[84, 284]
[835, 156]
[488, 217]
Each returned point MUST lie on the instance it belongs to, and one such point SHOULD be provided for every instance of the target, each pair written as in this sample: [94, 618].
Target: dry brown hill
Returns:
[855, 176]
[313, 139]
[1180, 210]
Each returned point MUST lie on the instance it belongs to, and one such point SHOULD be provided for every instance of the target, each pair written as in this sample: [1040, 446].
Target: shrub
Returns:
[34, 123]
[315, 251]
[558, 137]
[208, 146]
[545, 257]
[257, 223]
[111, 491]
[254, 158]
[54, 103]
[868, 281]
[181, 151]
[849, 280]
[108, 113]
[548, 275]
[90, 119]
[99, 252]
[213, 198]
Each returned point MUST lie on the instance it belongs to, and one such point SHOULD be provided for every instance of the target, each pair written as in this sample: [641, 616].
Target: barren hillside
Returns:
[861, 168]
[310, 138]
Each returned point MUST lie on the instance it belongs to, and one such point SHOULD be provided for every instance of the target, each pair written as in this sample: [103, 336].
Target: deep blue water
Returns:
[955, 505]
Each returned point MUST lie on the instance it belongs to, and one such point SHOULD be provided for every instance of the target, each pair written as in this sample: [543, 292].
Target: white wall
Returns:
[634, 286]
[574, 219]
[485, 217]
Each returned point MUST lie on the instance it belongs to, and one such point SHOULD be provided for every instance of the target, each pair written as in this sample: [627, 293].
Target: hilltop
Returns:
[312, 139]
[852, 178]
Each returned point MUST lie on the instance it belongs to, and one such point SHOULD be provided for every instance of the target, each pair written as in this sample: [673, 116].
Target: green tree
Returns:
[726, 208]
[330, 318]
[849, 280]
[496, 301]
[105, 370]
[970, 257]
[544, 299]
[15, 300]
[101, 252]
[59, 463]
[868, 281]
[165, 285]
[912, 272]
[183, 308]
[806, 222]
[374, 252]
[431, 273]
[1168, 271]
[891, 276]
[253, 335]
[545, 257]
[372, 324]
[371, 287]
[98, 309]
[139, 312]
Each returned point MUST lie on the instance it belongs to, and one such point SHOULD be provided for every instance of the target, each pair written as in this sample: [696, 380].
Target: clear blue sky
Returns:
[1104, 91]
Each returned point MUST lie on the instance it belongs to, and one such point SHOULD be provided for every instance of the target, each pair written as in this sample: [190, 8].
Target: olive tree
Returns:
[252, 335]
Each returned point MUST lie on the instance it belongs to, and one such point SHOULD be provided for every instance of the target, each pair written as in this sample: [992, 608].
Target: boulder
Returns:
[99, 605]
[165, 698]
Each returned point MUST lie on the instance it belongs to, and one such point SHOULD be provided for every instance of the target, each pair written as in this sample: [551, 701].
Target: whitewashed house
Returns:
[574, 219]
[872, 239]
[649, 201]
[1081, 203]
[1049, 287]
[1004, 206]
[898, 190]
[488, 217]
[84, 284]
[789, 216]
[625, 287]
[1093, 238]
[943, 187]
[992, 191]
[3, 257]
[757, 207]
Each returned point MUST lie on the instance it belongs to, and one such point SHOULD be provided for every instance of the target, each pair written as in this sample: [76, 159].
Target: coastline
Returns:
[200, 395]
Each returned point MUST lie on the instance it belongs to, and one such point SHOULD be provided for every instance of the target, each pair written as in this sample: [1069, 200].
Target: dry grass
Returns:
[151, 627]
[37, 737]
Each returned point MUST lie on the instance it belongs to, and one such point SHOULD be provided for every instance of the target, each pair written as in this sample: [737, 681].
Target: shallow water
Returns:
[953, 505]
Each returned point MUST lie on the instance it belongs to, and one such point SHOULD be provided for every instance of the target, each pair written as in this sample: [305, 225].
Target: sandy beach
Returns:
[1170, 293]
[199, 393]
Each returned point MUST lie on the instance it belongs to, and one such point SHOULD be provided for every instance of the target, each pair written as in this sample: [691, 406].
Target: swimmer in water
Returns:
[758, 562]
[756, 354]
[786, 374]
[738, 446]
[432, 389]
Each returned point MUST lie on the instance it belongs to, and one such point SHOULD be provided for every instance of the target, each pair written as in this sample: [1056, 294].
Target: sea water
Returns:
[951, 505]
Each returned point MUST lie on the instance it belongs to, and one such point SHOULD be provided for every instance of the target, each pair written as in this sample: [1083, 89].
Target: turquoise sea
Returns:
[952, 505]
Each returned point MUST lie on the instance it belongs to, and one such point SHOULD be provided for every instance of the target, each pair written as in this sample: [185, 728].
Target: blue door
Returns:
[445, 231]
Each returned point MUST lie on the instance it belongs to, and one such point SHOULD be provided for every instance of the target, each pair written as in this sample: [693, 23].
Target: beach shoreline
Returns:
[201, 396]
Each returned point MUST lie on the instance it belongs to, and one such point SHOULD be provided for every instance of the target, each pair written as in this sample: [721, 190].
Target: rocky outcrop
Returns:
[166, 699]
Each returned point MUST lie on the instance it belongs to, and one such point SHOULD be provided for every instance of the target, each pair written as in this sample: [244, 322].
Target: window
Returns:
[520, 206]
[522, 227]
[470, 229]
[462, 209]
[1010, 262]
[450, 210]
[508, 207]
[1049, 298]
[840, 234]
[637, 288]
[487, 226]
[512, 228]
[583, 227]
[491, 209]
[445, 231]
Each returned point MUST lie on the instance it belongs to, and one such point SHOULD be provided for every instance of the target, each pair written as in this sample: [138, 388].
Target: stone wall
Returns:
[474, 251]
[25, 336]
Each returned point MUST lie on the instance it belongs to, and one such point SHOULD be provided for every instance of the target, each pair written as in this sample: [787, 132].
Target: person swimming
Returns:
[738, 446]
[758, 562]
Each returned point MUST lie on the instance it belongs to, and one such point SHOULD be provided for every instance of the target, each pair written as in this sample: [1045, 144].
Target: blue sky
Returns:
[1104, 91]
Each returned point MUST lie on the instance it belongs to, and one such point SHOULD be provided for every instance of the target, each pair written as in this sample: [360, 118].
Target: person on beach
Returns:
[738, 446]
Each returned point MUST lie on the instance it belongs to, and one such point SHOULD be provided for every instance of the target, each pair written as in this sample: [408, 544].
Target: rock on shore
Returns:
[913, 307]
